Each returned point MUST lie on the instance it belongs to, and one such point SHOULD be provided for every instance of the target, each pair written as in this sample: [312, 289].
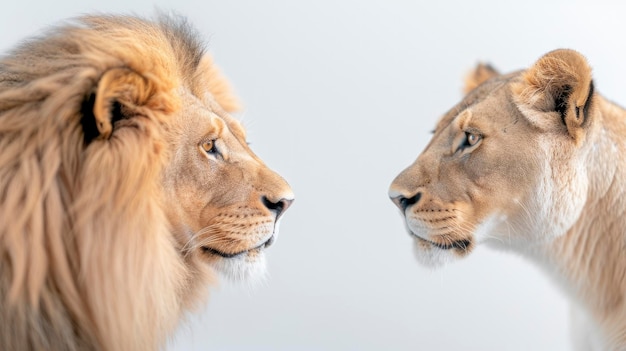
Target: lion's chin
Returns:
[249, 267]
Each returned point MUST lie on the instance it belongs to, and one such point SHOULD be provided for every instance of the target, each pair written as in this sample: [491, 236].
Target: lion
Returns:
[531, 162]
[125, 184]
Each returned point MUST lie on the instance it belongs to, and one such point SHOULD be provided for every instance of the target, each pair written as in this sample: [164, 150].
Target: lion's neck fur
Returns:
[589, 258]
[87, 261]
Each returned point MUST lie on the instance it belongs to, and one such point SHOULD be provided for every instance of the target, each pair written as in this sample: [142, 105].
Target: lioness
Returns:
[531, 161]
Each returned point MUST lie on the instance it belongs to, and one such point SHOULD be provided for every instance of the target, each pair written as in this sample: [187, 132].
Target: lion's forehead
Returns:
[227, 123]
[205, 119]
[235, 127]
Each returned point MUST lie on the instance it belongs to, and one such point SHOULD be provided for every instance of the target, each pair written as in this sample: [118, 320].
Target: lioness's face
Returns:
[225, 204]
[487, 174]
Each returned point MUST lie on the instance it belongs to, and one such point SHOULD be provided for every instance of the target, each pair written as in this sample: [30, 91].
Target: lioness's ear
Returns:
[118, 92]
[478, 76]
[559, 82]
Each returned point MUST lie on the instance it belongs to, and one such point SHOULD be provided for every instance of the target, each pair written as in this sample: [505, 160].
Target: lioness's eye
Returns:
[209, 146]
[472, 138]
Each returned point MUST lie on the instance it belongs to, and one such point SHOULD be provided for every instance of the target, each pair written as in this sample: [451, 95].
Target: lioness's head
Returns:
[503, 165]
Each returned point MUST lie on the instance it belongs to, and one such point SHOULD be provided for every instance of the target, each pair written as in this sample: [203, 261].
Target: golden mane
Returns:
[87, 259]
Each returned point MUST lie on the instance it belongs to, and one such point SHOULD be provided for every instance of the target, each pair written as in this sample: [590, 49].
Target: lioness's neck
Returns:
[589, 258]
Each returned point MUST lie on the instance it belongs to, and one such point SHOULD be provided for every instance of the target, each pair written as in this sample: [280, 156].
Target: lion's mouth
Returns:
[267, 243]
[462, 244]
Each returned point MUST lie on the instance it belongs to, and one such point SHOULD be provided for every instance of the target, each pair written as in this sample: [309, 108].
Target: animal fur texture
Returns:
[531, 161]
[124, 183]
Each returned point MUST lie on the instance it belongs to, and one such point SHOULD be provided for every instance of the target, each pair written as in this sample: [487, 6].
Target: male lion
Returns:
[531, 161]
[123, 180]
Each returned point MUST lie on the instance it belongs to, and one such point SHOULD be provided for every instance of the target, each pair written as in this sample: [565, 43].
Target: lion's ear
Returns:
[118, 92]
[478, 76]
[560, 82]
[117, 87]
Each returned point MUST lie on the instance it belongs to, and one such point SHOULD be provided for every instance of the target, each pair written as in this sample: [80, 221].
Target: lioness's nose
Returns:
[402, 201]
[278, 207]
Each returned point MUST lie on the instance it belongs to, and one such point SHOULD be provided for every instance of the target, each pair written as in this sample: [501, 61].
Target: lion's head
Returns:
[236, 217]
[123, 181]
[505, 164]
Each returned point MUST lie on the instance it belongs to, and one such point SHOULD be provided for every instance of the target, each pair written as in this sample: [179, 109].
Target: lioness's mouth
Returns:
[463, 244]
[212, 251]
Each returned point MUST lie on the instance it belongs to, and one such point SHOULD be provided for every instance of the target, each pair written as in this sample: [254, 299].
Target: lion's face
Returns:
[223, 202]
[499, 168]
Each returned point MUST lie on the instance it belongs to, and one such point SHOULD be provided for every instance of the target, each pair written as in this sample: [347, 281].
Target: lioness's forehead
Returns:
[494, 86]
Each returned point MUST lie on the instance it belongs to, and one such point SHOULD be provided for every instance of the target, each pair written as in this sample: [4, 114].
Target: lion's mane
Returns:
[86, 257]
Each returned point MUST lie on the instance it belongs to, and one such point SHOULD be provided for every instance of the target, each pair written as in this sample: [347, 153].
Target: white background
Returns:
[339, 97]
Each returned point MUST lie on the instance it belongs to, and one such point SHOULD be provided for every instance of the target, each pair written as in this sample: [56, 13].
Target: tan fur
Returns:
[545, 178]
[109, 206]
[478, 76]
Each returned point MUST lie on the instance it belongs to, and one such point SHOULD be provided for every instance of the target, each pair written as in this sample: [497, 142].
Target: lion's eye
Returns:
[209, 147]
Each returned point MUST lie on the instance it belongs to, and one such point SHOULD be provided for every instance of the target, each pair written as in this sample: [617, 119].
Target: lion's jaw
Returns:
[224, 203]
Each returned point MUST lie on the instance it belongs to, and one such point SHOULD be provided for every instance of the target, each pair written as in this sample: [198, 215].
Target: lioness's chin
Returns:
[434, 255]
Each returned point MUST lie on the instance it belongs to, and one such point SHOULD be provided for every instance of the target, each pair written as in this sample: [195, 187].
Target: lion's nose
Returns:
[279, 207]
[404, 202]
